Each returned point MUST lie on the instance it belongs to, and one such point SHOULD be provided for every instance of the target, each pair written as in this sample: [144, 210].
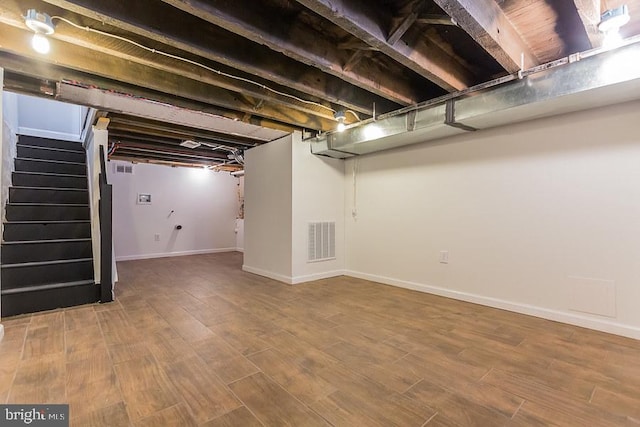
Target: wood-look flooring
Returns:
[194, 341]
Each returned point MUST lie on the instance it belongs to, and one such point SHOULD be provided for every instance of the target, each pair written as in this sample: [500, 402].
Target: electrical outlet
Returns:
[444, 257]
[156, 237]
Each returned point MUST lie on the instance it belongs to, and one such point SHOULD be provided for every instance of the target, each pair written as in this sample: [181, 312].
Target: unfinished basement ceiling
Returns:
[285, 64]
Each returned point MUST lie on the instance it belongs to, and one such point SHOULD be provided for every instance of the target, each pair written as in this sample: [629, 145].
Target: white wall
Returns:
[268, 215]
[318, 195]
[50, 119]
[239, 220]
[9, 148]
[203, 202]
[286, 187]
[541, 217]
[1, 166]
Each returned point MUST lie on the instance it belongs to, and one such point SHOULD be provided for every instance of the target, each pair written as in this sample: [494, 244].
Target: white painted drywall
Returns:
[9, 147]
[1, 166]
[318, 196]
[541, 217]
[268, 216]
[203, 202]
[50, 119]
[286, 187]
[239, 220]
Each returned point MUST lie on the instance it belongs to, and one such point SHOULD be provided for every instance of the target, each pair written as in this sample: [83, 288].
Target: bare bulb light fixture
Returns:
[340, 117]
[41, 24]
[610, 23]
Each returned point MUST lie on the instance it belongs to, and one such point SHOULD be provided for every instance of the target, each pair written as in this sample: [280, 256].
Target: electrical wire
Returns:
[198, 64]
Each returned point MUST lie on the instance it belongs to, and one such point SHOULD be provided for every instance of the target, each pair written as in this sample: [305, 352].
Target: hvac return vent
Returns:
[322, 241]
[120, 168]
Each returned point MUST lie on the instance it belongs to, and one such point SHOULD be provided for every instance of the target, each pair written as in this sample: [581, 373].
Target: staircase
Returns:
[46, 251]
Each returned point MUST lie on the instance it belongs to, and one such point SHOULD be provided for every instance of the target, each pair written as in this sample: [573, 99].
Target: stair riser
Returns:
[49, 251]
[29, 195]
[44, 142]
[21, 232]
[19, 277]
[47, 213]
[41, 166]
[51, 181]
[49, 299]
[39, 153]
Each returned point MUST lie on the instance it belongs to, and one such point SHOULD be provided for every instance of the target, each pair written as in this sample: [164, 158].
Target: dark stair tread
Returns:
[39, 263]
[51, 174]
[64, 162]
[50, 142]
[50, 205]
[36, 221]
[36, 288]
[19, 187]
[29, 242]
[39, 147]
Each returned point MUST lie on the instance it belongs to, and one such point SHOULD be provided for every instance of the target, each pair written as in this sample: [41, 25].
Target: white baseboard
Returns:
[289, 280]
[172, 254]
[271, 275]
[317, 276]
[1, 331]
[604, 325]
[240, 250]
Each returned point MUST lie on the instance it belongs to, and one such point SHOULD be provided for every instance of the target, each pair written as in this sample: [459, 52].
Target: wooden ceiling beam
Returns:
[133, 143]
[234, 55]
[138, 155]
[134, 54]
[168, 138]
[589, 12]
[408, 18]
[67, 55]
[181, 132]
[431, 19]
[261, 24]
[423, 57]
[485, 22]
[34, 78]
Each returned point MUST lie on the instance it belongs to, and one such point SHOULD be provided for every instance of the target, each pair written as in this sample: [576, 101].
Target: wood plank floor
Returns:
[194, 341]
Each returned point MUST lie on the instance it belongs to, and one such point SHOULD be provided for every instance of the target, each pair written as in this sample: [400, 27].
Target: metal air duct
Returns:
[592, 79]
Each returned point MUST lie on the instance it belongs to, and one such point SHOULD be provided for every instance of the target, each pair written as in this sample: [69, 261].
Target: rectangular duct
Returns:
[582, 81]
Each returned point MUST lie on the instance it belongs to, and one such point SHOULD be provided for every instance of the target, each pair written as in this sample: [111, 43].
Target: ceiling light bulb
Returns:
[40, 44]
[340, 117]
[612, 40]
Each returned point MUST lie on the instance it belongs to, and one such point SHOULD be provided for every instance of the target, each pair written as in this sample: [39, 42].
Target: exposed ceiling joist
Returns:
[290, 37]
[172, 130]
[589, 12]
[485, 22]
[407, 19]
[422, 56]
[232, 53]
[35, 78]
[84, 59]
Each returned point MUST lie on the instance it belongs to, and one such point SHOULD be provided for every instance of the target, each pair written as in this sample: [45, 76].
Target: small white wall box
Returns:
[144, 199]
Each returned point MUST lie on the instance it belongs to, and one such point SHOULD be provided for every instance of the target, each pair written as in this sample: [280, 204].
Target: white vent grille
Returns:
[122, 168]
[322, 241]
